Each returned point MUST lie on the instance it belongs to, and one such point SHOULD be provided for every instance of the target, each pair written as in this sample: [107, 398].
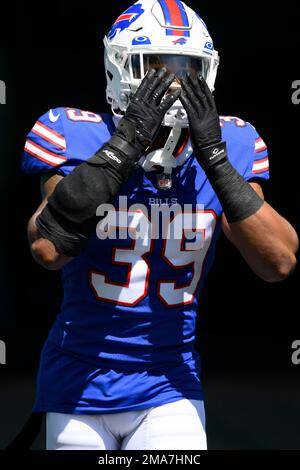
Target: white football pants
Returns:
[174, 426]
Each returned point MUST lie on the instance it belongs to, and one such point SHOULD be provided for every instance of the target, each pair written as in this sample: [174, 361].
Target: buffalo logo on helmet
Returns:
[180, 41]
[126, 19]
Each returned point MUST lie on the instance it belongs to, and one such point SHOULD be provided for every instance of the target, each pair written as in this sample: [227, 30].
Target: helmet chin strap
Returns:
[176, 115]
[163, 157]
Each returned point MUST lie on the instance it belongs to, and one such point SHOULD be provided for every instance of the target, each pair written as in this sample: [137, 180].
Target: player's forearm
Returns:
[267, 242]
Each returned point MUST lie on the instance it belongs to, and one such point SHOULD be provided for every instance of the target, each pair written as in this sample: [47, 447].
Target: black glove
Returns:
[237, 197]
[139, 127]
[204, 121]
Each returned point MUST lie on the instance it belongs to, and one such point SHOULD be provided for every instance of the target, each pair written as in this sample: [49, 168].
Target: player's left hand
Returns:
[203, 116]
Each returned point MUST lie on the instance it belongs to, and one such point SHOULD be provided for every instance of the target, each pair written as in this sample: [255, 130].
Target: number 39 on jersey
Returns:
[186, 240]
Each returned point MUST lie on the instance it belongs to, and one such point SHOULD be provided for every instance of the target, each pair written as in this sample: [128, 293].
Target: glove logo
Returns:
[216, 153]
[112, 156]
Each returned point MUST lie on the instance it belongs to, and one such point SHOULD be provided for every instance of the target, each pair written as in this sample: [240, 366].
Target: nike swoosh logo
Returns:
[52, 117]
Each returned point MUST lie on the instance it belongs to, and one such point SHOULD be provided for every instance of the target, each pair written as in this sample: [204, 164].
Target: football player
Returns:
[119, 369]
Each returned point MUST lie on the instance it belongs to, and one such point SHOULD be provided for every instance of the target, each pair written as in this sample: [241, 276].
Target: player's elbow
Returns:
[280, 269]
[44, 253]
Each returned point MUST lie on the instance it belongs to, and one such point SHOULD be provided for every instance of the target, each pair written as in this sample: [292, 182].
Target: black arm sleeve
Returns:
[237, 197]
[69, 217]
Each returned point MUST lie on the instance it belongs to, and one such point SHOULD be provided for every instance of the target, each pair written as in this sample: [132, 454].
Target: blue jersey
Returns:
[124, 337]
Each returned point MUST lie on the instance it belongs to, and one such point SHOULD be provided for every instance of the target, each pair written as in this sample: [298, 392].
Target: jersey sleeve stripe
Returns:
[260, 145]
[259, 166]
[48, 134]
[43, 154]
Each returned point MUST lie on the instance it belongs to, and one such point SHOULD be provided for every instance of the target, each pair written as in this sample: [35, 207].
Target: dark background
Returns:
[246, 327]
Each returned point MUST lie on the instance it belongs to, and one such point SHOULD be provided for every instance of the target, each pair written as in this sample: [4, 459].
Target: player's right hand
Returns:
[144, 115]
[139, 126]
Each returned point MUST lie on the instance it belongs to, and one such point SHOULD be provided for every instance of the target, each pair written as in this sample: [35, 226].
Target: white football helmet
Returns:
[156, 33]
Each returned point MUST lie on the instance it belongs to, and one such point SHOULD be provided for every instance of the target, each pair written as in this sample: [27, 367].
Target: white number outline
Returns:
[84, 116]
